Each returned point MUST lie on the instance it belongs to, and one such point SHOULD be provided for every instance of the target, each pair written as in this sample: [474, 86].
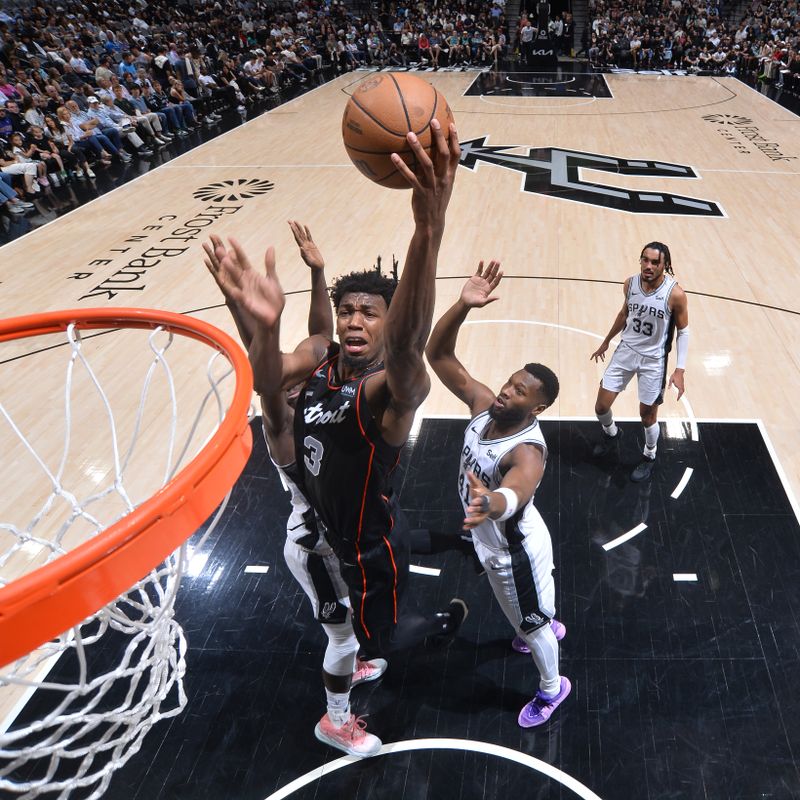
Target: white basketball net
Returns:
[121, 670]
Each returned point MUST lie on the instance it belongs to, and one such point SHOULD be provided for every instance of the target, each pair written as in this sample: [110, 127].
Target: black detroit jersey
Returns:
[344, 463]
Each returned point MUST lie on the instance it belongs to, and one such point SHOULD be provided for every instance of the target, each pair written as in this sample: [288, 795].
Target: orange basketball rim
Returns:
[57, 596]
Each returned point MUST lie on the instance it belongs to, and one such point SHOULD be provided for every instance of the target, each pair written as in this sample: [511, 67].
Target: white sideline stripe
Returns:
[258, 569]
[684, 576]
[425, 570]
[779, 469]
[687, 473]
[625, 537]
[756, 171]
[463, 745]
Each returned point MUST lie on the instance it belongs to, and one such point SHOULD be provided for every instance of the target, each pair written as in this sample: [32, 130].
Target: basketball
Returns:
[379, 114]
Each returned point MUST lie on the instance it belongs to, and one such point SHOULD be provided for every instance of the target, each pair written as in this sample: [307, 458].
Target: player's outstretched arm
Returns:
[320, 313]
[215, 250]
[680, 314]
[409, 318]
[525, 467]
[477, 292]
[276, 412]
[617, 327]
[262, 298]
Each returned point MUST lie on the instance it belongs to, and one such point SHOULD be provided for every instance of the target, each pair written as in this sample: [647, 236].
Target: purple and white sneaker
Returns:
[558, 628]
[541, 708]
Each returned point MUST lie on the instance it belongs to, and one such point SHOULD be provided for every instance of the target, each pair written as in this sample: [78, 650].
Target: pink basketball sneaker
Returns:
[352, 737]
[367, 671]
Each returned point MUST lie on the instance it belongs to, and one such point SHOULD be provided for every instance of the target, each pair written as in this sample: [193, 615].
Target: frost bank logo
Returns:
[233, 191]
[743, 136]
[727, 119]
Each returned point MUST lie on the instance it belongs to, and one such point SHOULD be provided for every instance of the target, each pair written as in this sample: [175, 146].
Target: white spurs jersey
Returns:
[649, 326]
[482, 457]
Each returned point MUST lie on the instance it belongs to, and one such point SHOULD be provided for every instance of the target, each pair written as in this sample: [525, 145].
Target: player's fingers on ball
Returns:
[405, 171]
[423, 160]
[439, 140]
[455, 147]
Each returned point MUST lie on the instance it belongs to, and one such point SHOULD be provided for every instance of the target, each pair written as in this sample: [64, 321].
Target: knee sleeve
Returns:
[340, 654]
[544, 650]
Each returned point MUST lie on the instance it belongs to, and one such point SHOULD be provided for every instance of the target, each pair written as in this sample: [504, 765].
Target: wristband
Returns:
[511, 503]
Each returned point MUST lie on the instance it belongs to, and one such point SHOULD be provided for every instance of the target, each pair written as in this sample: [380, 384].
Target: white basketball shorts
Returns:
[318, 573]
[521, 577]
[651, 374]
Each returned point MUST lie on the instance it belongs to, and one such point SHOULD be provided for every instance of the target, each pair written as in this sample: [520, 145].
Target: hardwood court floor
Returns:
[680, 691]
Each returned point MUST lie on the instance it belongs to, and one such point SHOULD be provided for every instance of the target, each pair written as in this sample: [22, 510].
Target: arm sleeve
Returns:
[682, 347]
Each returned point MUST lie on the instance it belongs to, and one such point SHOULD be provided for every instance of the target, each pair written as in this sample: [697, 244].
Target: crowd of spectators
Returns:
[694, 35]
[84, 84]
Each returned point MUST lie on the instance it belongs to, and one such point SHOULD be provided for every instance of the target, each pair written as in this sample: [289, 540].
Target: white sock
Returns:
[607, 421]
[338, 707]
[651, 440]
[544, 651]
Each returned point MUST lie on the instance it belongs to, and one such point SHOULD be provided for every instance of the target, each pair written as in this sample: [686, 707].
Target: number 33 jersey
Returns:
[344, 463]
[648, 328]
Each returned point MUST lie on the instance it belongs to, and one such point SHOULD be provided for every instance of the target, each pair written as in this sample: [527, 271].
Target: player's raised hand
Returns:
[309, 251]
[433, 176]
[215, 251]
[599, 353]
[260, 295]
[477, 291]
[677, 380]
[479, 501]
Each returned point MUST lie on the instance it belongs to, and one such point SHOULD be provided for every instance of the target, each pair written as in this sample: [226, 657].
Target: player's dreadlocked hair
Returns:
[547, 378]
[664, 251]
[369, 281]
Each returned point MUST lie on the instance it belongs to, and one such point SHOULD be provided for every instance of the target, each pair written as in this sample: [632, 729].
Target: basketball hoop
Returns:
[94, 558]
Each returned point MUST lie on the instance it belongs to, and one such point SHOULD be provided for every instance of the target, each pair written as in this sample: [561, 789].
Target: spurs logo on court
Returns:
[557, 172]
[233, 190]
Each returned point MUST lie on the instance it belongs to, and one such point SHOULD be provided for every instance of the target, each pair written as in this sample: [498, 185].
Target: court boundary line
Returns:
[445, 743]
[732, 97]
